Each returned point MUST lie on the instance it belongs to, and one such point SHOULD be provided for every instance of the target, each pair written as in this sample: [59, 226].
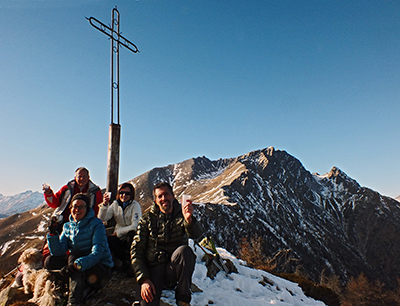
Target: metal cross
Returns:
[117, 39]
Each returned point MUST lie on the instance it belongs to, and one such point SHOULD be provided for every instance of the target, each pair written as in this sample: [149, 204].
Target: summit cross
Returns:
[117, 39]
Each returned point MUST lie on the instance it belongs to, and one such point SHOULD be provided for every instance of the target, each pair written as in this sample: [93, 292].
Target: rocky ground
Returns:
[118, 292]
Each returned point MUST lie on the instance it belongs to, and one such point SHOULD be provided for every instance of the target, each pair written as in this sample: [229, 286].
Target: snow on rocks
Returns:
[247, 287]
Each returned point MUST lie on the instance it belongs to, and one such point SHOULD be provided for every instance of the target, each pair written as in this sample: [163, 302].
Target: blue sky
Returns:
[318, 79]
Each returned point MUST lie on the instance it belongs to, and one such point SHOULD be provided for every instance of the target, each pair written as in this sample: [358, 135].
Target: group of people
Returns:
[153, 247]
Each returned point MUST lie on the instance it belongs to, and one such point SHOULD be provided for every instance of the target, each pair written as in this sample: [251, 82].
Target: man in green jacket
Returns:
[160, 253]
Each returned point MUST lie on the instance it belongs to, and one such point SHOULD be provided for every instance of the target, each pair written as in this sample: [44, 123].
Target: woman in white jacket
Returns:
[127, 213]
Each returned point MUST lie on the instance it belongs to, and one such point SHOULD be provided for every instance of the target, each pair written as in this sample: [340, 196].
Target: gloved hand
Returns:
[67, 271]
[53, 226]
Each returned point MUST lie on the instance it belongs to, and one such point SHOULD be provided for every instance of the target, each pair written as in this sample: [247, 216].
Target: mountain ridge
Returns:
[320, 218]
[20, 202]
[329, 222]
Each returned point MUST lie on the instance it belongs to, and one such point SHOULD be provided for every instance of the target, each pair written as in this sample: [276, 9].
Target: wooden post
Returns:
[113, 159]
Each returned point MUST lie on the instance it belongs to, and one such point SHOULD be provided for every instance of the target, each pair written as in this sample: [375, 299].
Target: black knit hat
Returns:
[82, 196]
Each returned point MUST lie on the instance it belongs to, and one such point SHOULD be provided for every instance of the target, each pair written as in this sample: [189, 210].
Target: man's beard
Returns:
[167, 206]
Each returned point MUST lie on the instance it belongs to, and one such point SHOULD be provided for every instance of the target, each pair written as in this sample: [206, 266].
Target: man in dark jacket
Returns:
[160, 254]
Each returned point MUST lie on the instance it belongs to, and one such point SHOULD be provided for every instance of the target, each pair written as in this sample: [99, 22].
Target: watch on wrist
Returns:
[78, 265]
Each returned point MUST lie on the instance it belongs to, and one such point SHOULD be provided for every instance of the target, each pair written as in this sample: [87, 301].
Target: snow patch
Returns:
[247, 287]
[4, 247]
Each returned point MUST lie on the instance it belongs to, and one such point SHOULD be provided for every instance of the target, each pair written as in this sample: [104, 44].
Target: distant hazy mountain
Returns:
[18, 203]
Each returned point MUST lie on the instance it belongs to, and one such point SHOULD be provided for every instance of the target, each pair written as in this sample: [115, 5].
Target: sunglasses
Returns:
[125, 193]
[82, 207]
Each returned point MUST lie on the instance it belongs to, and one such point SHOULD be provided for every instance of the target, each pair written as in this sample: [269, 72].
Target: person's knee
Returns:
[184, 253]
[47, 263]
[54, 262]
[188, 252]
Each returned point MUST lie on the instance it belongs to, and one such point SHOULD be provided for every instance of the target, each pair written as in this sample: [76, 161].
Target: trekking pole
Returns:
[3, 279]
[11, 272]
[216, 252]
[198, 203]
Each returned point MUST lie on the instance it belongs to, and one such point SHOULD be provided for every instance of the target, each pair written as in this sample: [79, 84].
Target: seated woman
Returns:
[127, 213]
[88, 265]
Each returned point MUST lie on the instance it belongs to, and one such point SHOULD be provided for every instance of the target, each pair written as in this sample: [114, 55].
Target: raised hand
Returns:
[187, 210]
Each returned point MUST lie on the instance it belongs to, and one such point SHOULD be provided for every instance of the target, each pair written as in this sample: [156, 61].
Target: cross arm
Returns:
[112, 34]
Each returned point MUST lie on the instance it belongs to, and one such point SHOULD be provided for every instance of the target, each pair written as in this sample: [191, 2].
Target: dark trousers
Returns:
[177, 271]
[121, 248]
[80, 282]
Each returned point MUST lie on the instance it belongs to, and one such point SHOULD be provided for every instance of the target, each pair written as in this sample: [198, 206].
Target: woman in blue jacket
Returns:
[89, 262]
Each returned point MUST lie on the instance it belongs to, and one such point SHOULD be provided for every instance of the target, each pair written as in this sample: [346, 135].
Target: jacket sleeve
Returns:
[106, 212]
[99, 246]
[53, 200]
[193, 230]
[135, 217]
[99, 199]
[138, 252]
[58, 245]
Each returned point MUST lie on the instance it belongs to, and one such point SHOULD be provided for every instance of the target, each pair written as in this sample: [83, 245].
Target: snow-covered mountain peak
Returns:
[21, 202]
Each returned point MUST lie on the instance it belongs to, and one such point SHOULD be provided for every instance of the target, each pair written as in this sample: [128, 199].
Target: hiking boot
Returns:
[180, 303]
